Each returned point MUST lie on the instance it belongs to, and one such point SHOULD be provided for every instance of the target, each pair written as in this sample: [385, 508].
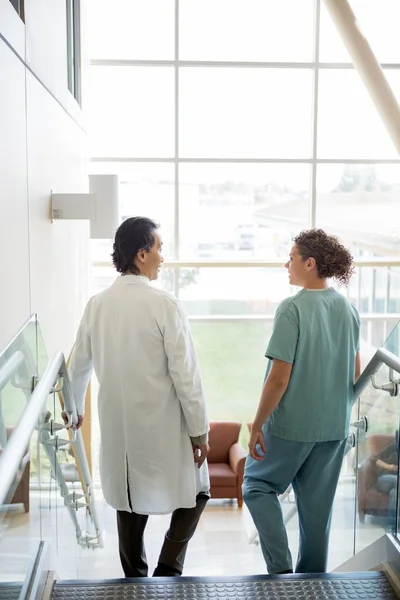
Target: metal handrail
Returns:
[381, 357]
[15, 450]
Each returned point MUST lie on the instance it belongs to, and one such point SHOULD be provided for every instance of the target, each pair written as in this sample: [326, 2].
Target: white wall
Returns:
[14, 256]
[44, 267]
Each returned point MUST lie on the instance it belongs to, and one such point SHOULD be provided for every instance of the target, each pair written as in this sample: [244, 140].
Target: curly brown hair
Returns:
[333, 260]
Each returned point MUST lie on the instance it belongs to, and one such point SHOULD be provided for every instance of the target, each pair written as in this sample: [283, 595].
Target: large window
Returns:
[73, 47]
[235, 124]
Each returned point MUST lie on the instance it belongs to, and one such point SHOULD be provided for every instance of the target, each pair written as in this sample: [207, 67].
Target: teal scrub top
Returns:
[318, 332]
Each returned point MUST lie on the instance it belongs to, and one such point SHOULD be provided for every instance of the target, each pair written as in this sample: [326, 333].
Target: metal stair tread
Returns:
[338, 586]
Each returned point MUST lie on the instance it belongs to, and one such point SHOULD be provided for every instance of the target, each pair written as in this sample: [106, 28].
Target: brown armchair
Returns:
[370, 501]
[226, 460]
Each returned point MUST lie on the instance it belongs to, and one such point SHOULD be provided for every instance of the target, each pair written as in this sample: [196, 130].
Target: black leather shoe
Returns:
[285, 572]
[162, 570]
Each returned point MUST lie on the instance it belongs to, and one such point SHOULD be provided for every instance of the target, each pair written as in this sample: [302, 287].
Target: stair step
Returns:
[69, 471]
[329, 586]
[10, 590]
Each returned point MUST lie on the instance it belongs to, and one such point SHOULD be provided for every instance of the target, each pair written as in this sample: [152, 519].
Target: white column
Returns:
[367, 66]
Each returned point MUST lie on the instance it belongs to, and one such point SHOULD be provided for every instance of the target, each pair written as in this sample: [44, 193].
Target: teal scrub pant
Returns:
[313, 468]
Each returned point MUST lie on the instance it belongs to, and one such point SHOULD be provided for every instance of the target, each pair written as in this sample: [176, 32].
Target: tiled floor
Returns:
[220, 546]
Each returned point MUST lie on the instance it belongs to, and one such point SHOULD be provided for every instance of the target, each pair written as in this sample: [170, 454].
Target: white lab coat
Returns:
[151, 399]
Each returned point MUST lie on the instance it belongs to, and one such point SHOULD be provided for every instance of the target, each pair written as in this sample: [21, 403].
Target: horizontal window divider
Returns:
[125, 159]
[306, 161]
[228, 318]
[379, 316]
[267, 318]
[271, 264]
[107, 62]
[126, 62]
[300, 161]
[357, 161]
[121, 62]
[350, 66]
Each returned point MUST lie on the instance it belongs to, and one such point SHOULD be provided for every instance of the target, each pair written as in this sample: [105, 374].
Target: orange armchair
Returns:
[370, 501]
[226, 460]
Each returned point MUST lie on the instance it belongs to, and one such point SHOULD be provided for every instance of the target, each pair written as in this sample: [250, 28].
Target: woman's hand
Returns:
[256, 437]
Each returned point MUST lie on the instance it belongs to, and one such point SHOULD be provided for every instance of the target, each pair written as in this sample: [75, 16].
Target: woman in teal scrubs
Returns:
[299, 433]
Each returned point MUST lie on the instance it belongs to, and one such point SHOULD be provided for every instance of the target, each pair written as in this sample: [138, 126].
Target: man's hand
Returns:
[256, 437]
[79, 423]
[200, 452]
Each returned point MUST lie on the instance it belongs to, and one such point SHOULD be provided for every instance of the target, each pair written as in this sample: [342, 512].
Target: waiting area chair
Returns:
[226, 460]
[370, 501]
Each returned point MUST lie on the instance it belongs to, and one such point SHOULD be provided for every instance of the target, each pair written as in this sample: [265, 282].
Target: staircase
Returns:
[343, 586]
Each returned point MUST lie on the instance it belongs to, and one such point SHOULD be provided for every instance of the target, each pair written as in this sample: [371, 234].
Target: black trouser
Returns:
[132, 552]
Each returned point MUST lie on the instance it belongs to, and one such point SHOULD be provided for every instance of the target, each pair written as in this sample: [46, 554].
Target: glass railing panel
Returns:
[68, 512]
[42, 355]
[377, 464]
[361, 511]
[19, 525]
[39, 464]
[393, 345]
[392, 342]
[57, 469]
[378, 455]
[18, 372]
[50, 500]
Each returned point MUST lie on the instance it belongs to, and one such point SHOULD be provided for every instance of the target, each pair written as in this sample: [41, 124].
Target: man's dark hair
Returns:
[133, 235]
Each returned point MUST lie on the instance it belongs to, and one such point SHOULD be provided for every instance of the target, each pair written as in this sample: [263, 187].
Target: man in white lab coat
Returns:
[152, 410]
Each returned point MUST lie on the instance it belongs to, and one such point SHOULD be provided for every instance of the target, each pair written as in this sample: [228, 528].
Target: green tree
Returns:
[358, 179]
[186, 277]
